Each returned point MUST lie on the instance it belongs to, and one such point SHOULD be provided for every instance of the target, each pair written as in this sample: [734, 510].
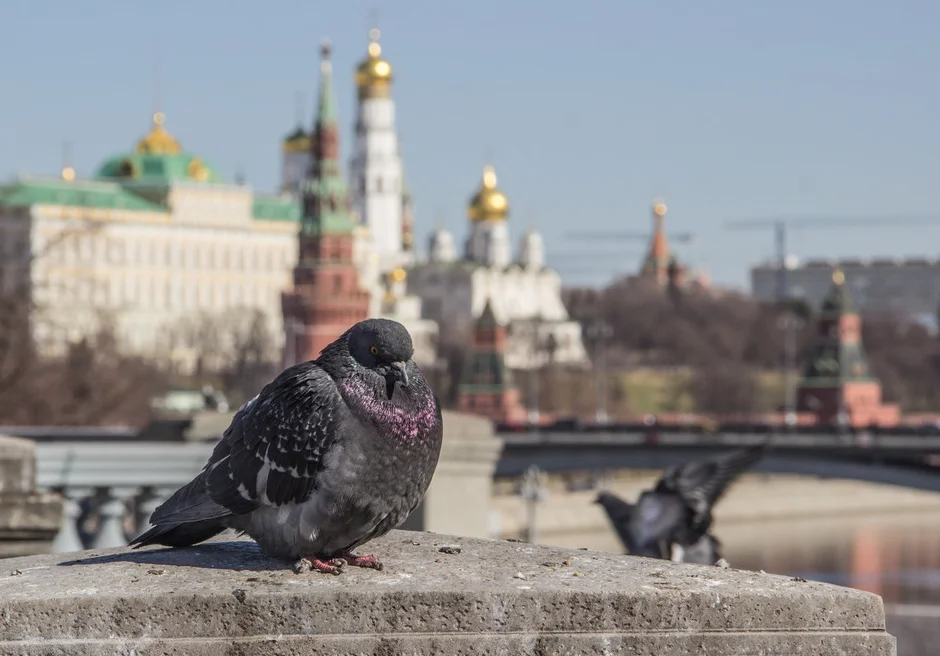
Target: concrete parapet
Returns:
[29, 520]
[491, 597]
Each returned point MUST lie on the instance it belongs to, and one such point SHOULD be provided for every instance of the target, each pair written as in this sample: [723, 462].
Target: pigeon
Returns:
[672, 520]
[333, 453]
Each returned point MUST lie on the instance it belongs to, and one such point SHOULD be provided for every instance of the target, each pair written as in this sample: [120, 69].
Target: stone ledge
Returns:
[492, 597]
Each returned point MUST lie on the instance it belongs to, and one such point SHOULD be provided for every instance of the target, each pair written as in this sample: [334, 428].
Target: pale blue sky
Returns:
[728, 109]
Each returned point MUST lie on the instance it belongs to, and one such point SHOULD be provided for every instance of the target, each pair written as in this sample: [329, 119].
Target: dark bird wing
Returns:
[701, 484]
[273, 450]
[619, 513]
[270, 454]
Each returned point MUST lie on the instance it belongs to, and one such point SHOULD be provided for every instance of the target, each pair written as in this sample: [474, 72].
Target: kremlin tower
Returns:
[379, 194]
[327, 297]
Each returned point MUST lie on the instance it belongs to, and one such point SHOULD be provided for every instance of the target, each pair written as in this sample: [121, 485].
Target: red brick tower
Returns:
[487, 388]
[326, 298]
[837, 379]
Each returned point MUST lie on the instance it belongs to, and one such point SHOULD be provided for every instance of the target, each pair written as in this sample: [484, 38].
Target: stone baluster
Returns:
[68, 539]
[146, 502]
[113, 509]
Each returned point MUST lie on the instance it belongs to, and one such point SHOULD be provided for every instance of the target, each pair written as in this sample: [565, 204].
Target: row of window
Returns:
[176, 294]
[89, 249]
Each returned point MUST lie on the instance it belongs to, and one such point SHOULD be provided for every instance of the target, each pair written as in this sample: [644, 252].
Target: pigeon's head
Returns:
[384, 347]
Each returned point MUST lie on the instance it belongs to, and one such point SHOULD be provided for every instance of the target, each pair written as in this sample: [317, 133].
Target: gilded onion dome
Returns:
[488, 203]
[374, 74]
[158, 141]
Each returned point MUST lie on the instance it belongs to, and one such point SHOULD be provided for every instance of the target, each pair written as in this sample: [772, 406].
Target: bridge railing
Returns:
[110, 488]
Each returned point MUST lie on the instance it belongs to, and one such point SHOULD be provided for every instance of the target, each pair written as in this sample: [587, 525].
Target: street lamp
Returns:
[532, 492]
[598, 333]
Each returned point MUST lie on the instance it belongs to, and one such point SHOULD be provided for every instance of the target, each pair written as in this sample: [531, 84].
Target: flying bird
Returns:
[333, 453]
[672, 520]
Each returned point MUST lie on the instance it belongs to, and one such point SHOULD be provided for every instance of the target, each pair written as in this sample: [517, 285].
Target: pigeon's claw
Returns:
[333, 566]
[369, 560]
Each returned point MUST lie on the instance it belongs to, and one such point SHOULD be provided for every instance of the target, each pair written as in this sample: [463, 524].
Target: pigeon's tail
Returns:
[187, 517]
[179, 535]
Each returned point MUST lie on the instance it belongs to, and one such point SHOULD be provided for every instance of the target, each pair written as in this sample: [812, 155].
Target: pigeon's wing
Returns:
[701, 484]
[273, 450]
[619, 512]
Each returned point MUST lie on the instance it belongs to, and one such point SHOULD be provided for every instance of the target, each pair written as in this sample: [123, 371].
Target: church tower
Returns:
[326, 298]
[380, 196]
[488, 210]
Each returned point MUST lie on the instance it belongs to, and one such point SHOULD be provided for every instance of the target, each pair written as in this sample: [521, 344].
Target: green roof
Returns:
[275, 208]
[84, 193]
[161, 169]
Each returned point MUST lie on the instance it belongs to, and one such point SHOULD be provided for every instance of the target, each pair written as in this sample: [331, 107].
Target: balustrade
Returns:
[110, 489]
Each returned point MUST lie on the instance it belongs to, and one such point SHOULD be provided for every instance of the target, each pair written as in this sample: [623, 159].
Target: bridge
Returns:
[906, 460]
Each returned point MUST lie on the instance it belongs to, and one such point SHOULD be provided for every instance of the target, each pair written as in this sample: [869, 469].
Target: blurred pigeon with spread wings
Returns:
[672, 520]
[333, 453]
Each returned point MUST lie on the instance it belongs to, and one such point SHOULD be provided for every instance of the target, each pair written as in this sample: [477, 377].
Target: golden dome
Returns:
[838, 277]
[398, 275]
[158, 141]
[489, 203]
[374, 74]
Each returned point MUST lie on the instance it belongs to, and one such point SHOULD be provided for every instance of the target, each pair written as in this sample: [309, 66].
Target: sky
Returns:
[730, 109]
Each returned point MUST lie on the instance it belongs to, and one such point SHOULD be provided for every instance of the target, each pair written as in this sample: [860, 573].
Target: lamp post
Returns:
[532, 492]
[599, 332]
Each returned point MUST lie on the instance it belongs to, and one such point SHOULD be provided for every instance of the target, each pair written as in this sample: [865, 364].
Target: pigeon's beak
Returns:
[400, 369]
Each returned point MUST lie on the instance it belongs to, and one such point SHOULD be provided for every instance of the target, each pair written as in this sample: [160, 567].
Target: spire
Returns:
[325, 194]
[837, 300]
[326, 108]
[657, 260]
[68, 172]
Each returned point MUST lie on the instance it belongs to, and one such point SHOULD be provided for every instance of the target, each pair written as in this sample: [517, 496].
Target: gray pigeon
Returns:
[333, 453]
[675, 517]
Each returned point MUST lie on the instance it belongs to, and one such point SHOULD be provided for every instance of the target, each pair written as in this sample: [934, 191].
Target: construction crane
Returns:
[782, 224]
[659, 213]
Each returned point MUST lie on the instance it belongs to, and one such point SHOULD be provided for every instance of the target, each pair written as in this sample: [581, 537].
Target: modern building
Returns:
[525, 295]
[909, 287]
[155, 244]
[326, 298]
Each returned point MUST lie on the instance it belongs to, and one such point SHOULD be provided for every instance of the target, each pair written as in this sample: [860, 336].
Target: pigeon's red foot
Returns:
[332, 566]
[368, 560]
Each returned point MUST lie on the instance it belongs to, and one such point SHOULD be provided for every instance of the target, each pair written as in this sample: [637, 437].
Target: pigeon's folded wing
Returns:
[273, 451]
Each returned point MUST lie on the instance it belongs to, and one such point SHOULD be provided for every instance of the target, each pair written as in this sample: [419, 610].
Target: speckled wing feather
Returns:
[274, 449]
[701, 484]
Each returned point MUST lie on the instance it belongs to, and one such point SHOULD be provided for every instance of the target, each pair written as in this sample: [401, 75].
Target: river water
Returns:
[894, 555]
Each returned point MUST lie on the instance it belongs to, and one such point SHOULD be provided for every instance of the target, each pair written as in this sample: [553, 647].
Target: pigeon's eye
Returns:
[373, 350]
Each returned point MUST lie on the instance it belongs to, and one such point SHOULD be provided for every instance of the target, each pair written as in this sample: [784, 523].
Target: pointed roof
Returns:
[658, 256]
[325, 194]
[326, 107]
[834, 359]
[487, 318]
[837, 300]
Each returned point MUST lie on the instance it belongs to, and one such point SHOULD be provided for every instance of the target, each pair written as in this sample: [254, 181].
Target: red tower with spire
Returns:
[486, 387]
[327, 298]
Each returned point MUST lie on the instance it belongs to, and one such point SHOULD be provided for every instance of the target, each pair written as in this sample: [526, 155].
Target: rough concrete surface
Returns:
[492, 597]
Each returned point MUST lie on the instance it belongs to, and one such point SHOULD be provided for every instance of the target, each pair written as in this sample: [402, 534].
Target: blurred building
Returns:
[910, 287]
[525, 295]
[661, 267]
[153, 240]
[380, 200]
